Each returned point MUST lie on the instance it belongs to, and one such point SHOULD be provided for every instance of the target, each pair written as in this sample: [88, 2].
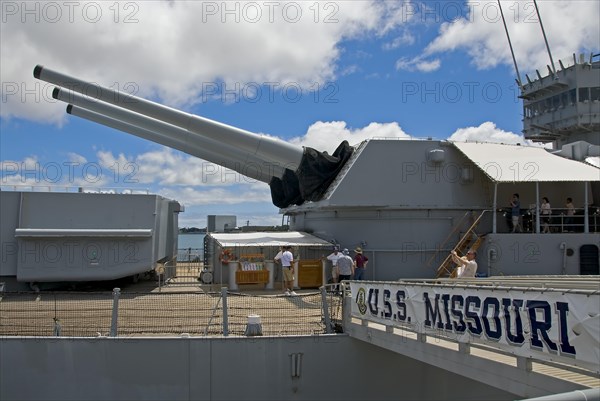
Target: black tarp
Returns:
[312, 178]
[285, 191]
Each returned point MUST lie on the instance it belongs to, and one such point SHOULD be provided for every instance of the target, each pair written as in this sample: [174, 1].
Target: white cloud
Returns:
[197, 196]
[326, 136]
[76, 158]
[571, 26]
[486, 132]
[349, 70]
[168, 167]
[33, 174]
[406, 39]
[15, 173]
[418, 64]
[173, 49]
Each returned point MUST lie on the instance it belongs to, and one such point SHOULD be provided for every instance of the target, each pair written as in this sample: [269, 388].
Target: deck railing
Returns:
[122, 313]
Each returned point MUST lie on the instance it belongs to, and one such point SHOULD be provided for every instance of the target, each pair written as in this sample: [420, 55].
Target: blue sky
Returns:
[313, 73]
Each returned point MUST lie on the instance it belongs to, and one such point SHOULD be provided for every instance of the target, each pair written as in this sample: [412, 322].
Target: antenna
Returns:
[511, 48]
[544, 33]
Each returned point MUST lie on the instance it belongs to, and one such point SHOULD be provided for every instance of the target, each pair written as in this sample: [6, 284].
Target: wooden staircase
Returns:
[469, 241]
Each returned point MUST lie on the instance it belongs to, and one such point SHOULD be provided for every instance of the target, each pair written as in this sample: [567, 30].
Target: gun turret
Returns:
[294, 174]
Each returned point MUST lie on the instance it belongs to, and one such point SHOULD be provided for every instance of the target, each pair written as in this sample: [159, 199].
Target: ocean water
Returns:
[186, 241]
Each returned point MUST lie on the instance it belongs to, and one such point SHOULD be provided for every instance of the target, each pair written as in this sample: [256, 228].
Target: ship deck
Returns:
[183, 308]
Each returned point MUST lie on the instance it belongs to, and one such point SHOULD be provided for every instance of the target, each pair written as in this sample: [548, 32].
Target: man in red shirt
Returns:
[360, 261]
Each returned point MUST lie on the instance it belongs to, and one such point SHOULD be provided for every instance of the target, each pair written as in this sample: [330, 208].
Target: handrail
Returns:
[454, 229]
[464, 237]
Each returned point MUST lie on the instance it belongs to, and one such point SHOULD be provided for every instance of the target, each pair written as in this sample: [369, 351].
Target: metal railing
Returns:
[121, 313]
[176, 271]
[190, 255]
[559, 221]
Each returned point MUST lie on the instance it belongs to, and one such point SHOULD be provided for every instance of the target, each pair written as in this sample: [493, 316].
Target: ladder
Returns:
[470, 240]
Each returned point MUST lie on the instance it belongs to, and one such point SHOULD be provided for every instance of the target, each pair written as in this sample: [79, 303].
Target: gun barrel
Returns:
[172, 136]
[253, 169]
[294, 174]
[265, 148]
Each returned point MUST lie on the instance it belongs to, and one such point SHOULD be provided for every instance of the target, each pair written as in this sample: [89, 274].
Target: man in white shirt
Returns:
[467, 266]
[346, 266]
[334, 258]
[286, 259]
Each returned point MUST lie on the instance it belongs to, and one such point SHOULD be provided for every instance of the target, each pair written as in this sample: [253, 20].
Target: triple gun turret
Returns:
[294, 174]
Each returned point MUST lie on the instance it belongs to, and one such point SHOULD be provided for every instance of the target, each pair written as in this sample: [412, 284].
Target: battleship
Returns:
[526, 327]
[430, 196]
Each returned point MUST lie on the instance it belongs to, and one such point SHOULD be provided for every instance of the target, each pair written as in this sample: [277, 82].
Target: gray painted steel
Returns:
[83, 236]
[564, 107]
[402, 209]
[333, 367]
[9, 218]
[503, 376]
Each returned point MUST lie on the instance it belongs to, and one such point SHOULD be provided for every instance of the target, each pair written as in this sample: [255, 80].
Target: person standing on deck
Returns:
[570, 213]
[345, 265]
[333, 257]
[515, 207]
[360, 261]
[545, 213]
[286, 259]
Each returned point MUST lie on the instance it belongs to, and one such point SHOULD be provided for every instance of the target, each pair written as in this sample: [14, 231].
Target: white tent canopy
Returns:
[294, 238]
[512, 163]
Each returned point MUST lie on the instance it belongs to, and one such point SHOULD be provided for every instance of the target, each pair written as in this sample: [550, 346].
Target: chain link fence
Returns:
[92, 314]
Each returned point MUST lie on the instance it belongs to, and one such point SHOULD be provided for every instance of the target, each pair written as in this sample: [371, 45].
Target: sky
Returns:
[313, 73]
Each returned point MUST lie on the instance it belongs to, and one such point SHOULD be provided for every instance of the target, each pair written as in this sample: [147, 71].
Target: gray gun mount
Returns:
[294, 174]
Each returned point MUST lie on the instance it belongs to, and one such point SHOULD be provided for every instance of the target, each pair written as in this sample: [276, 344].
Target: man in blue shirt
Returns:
[515, 205]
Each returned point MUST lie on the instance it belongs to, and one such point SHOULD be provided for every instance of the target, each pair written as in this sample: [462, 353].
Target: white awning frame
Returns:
[265, 239]
[512, 163]
[527, 164]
